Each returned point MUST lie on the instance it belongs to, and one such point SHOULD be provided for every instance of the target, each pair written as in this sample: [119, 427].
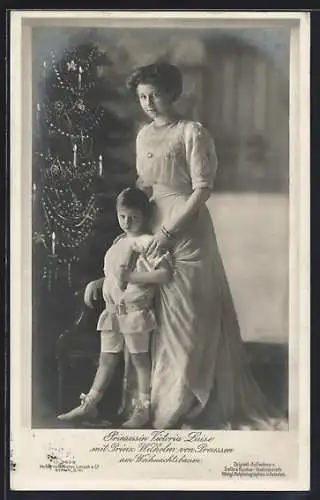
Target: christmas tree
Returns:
[76, 177]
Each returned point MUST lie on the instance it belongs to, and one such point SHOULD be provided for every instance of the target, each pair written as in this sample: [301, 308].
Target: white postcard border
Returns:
[28, 444]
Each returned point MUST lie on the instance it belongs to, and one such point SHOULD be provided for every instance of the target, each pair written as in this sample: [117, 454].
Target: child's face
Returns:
[131, 221]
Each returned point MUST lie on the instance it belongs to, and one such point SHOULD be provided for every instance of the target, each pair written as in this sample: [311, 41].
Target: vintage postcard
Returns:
[159, 331]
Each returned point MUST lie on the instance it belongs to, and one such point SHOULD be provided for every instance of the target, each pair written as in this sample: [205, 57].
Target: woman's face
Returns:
[153, 101]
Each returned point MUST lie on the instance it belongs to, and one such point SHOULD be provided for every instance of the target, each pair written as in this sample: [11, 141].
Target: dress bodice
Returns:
[180, 155]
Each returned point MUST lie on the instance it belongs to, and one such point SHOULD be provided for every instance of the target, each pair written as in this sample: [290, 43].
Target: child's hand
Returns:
[92, 293]
[123, 276]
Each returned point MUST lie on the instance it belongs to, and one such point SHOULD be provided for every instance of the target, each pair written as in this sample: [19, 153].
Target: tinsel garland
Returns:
[56, 169]
[69, 210]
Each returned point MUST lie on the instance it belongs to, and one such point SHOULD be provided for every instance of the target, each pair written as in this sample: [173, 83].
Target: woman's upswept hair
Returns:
[164, 76]
[136, 199]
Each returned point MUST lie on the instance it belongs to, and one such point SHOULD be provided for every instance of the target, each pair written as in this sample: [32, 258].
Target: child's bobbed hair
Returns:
[135, 199]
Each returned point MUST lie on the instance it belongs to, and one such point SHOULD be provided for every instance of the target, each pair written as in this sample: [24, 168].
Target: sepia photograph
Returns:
[159, 214]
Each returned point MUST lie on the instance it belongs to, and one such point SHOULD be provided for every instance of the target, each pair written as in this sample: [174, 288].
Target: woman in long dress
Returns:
[198, 357]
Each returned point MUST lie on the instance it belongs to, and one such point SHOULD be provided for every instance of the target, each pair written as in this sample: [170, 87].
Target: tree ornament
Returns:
[80, 105]
[71, 66]
[59, 106]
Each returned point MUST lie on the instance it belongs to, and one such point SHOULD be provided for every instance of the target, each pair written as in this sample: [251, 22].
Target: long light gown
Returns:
[197, 354]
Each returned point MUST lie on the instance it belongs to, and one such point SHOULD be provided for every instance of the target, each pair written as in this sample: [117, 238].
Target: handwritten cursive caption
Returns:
[160, 446]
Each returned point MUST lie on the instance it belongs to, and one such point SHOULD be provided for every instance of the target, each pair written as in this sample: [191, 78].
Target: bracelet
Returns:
[166, 232]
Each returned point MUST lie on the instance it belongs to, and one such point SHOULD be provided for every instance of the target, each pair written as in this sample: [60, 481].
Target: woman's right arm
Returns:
[146, 189]
[92, 291]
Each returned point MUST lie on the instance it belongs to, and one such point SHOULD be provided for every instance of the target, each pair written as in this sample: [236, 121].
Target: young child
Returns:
[128, 318]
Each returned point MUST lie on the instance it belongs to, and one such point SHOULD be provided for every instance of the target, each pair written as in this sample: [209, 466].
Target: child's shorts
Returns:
[114, 342]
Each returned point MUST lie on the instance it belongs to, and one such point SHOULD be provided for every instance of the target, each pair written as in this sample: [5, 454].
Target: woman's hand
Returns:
[91, 292]
[159, 243]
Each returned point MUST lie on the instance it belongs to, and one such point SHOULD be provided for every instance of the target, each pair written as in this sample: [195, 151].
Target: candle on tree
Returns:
[38, 117]
[34, 198]
[53, 243]
[100, 165]
[80, 76]
[75, 155]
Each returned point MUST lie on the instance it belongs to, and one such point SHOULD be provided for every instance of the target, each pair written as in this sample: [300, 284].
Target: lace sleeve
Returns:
[201, 156]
